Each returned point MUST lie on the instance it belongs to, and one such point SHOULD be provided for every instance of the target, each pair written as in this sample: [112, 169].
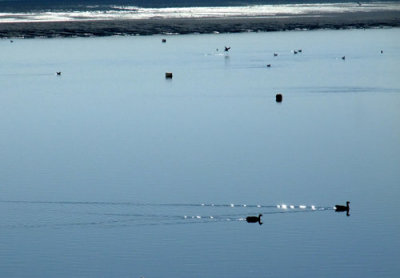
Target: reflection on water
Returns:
[59, 214]
[180, 165]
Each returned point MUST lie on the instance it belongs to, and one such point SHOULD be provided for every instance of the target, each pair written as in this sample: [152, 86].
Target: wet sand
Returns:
[378, 19]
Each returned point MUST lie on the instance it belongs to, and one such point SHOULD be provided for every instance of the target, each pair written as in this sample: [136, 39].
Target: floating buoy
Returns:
[381, 51]
[278, 97]
[164, 40]
[168, 75]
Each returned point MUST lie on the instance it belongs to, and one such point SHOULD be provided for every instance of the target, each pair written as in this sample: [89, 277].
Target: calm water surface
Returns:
[109, 170]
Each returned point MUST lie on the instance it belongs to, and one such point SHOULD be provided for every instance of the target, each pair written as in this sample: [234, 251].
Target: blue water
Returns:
[110, 170]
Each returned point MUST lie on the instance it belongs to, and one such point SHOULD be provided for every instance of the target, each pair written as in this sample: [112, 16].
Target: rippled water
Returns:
[133, 12]
[111, 170]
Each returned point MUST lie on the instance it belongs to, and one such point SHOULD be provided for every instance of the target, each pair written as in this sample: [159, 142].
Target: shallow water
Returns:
[111, 170]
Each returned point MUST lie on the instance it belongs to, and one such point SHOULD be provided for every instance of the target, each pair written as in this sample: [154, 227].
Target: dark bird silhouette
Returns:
[227, 48]
[341, 208]
[58, 72]
[344, 58]
[381, 51]
[294, 51]
[269, 65]
[275, 54]
[254, 219]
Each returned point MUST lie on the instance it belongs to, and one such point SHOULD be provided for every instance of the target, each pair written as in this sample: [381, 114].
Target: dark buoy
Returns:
[254, 219]
[58, 72]
[278, 97]
[164, 40]
[341, 208]
[381, 51]
[168, 75]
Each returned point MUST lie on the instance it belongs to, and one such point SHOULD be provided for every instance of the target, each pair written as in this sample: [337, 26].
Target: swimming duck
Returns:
[343, 208]
[254, 219]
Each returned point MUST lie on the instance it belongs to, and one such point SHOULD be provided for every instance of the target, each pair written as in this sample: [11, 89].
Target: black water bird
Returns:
[269, 65]
[275, 54]
[227, 48]
[294, 51]
[58, 72]
[344, 58]
[341, 208]
[254, 219]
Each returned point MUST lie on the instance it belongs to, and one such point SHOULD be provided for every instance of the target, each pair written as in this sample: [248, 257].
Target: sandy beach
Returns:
[349, 20]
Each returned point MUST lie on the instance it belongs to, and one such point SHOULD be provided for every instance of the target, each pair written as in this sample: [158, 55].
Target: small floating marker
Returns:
[244, 205]
[232, 205]
[185, 216]
[278, 206]
[198, 216]
[278, 97]
[259, 206]
[291, 206]
[211, 217]
[302, 206]
[313, 208]
[269, 65]
[202, 205]
[168, 75]
[164, 40]
[284, 206]
[58, 72]
[381, 51]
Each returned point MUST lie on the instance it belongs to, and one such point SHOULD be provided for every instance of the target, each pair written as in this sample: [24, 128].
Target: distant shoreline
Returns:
[100, 28]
